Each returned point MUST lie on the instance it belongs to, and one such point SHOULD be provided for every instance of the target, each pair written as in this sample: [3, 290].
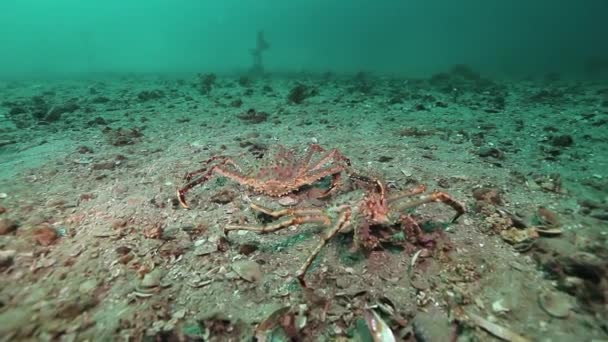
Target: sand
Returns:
[95, 245]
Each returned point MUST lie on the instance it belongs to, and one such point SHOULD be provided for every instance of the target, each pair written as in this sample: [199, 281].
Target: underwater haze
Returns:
[303, 170]
[40, 37]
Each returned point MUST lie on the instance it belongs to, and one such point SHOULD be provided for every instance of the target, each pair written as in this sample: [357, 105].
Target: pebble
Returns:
[45, 235]
[205, 248]
[247, 270]
[6, 257]
[288, 201]
[555, 304]
[152, 279]
[88, 286]
[7, 226]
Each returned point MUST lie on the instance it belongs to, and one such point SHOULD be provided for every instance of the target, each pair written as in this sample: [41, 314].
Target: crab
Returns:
[284, 174]
[369, 209]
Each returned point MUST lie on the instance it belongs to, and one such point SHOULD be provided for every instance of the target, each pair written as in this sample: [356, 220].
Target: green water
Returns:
[41, 37]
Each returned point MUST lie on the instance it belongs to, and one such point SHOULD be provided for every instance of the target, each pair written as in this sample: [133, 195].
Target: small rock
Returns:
[488, 195]
[499, 307]
[491, 152]
[562, 140]
[288, 201]
[6, 257]
[555, 304]
[45, 235]
[205, 248]
[152, 279]
[88, 286]
[247, 270]
[420, 283]
[246, 249]
[119, 223]
[7, 226]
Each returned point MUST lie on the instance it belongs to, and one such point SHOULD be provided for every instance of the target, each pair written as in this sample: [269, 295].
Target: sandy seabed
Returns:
[94, 244]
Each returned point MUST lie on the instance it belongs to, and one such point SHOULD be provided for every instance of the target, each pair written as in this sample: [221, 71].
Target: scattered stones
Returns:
[253, 117]
[148, 95]
[7, 257]
[223, 196]
[516, 236]
[499, 307]
[247, 270]
[549, 182]
[488, 195]
[7, 226]
[493, 152]
[122, 136]
[547, 217]
[247, 249]
[7, 142]
[432, 325]
[299, 93]
[204, 247]
[100, 99]
[556, 304]
[288, 201]
[88, 286]
[45, 235]
[54, 114]
[565, 140]
[151, 279]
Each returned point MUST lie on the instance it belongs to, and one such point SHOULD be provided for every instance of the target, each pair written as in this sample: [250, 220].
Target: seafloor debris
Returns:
[247, 270]
[122, 136]
[253, 116]
[556, 304]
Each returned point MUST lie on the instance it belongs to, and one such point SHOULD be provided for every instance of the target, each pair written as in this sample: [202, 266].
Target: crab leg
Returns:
[313, 177]
[296, 216]
[303, 165]
[333, 154]
[335, 184]
[224, 160]
[436, 196]
[288, 211]
[407, 193]
[208, 173]
[341, 223]
[291, 221]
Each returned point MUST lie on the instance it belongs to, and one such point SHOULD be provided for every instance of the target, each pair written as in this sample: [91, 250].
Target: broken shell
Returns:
[555, 304]
[548, 231]
[547, 217]
[248, 270]
[498, 307]
[495, 329]
[379, 330]
[516, 236]
[288, 201]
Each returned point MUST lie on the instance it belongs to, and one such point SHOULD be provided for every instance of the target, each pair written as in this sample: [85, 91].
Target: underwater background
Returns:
[405, 37]
[365, 171]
